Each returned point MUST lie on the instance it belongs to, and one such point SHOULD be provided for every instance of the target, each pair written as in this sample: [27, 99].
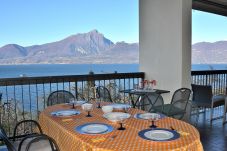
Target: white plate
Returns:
[65, 112]
[116, 116]
[145, 91]
[120, 106]
[78, 103]
[94, 128]
[159, 135]
[147, 116]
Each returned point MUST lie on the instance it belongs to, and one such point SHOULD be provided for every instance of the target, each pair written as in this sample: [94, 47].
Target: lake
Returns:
[9, 71]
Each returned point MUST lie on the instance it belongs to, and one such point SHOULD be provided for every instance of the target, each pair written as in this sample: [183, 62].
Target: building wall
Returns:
[165, 43]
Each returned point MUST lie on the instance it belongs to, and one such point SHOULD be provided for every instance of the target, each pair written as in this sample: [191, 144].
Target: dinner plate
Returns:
[116, 116]
[77, 103]
[65, 113]
[146, 116]
[94, 128]
[159, 134]
[119, 106]
[144, 91]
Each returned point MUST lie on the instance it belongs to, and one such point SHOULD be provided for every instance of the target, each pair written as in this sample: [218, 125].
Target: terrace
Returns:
[26, 97]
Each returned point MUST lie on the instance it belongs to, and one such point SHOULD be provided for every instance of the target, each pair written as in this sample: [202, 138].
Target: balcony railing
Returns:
[25, 97]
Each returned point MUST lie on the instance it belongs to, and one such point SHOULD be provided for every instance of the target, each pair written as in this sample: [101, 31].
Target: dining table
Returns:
[140, 93]
[63, 130]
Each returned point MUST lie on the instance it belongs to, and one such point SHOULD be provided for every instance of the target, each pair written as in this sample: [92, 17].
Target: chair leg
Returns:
[224, 114]
[197, 116]
[211, 115]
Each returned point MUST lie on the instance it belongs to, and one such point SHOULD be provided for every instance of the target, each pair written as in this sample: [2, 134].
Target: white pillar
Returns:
[165, 43]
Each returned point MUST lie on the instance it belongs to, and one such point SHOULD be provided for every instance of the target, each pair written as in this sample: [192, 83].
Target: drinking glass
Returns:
[98, 104]
[126, 109]
[121, 121]
[135, 86]
[88, 108]
[153, 119]
[73, 101]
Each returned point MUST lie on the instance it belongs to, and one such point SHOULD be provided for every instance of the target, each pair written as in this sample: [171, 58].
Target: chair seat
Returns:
[3, 148]
[25, 143]
[218, 100]
[43, 145]
[171, 110]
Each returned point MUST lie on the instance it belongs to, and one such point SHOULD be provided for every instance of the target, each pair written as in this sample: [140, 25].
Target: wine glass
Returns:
[98, 104]
[154, 118]
[72, 101]
[88, 108]
[135, 86]
[121, 119]
[126, 109]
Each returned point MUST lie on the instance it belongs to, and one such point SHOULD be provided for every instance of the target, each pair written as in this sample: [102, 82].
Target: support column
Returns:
[165, 43]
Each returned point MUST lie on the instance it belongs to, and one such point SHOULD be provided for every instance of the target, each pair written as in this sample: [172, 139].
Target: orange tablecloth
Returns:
[63, 131]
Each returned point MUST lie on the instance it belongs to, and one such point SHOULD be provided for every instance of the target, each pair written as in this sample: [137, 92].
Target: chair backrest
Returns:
[181, 97]
[26, 127]
[42, 142]
[6, 140]
[103, 93]
[202, 94]
[181, 94]
[58, 97]
[152, 102]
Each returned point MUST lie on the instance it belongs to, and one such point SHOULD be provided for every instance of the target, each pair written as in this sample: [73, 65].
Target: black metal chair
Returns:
[151, 102]
[58, 97]
[5, 139]
[42, 142]
[203, 98]
[103, 94]
[26, 127]
[178, 105]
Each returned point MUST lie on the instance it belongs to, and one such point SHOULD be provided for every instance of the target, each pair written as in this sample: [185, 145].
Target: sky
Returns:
[30, 22]
[208, 27]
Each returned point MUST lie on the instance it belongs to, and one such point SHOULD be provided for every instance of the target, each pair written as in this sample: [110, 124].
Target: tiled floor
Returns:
[214, 138]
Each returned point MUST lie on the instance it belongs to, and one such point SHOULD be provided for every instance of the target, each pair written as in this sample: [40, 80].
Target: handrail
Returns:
[206, 72]
[68, 78]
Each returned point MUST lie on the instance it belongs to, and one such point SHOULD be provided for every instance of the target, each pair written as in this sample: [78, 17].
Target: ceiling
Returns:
[213, 6]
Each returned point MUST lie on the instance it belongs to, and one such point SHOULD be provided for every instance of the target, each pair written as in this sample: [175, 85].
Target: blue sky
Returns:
[208, 27]
[29, 22]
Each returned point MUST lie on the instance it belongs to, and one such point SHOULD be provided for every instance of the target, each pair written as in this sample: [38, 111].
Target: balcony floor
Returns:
[214, 138]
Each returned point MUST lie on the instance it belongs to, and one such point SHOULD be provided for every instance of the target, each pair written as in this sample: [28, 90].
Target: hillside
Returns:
[91, 47]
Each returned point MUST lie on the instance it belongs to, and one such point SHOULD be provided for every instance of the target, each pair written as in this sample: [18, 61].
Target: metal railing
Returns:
[25, 97]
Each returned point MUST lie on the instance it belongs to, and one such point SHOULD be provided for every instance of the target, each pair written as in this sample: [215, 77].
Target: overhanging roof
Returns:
[213, 6]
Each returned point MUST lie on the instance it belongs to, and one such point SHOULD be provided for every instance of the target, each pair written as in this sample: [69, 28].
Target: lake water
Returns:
[8, 71]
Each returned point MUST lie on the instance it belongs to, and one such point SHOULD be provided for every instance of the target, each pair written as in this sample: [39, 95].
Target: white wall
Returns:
[165, 43]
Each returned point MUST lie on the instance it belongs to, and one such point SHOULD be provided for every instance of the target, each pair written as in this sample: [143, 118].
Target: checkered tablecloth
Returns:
[62, 129]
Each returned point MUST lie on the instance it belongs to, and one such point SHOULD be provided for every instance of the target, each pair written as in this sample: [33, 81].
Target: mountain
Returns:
[91, 47]
[12, 51]
[209, 53]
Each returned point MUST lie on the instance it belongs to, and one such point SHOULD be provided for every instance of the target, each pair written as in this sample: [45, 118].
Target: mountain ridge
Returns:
[72, 49]
[94, 47]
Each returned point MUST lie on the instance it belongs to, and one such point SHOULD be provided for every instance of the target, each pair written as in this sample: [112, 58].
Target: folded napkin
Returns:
[182, 133]
[98, 139]
[67, 120]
